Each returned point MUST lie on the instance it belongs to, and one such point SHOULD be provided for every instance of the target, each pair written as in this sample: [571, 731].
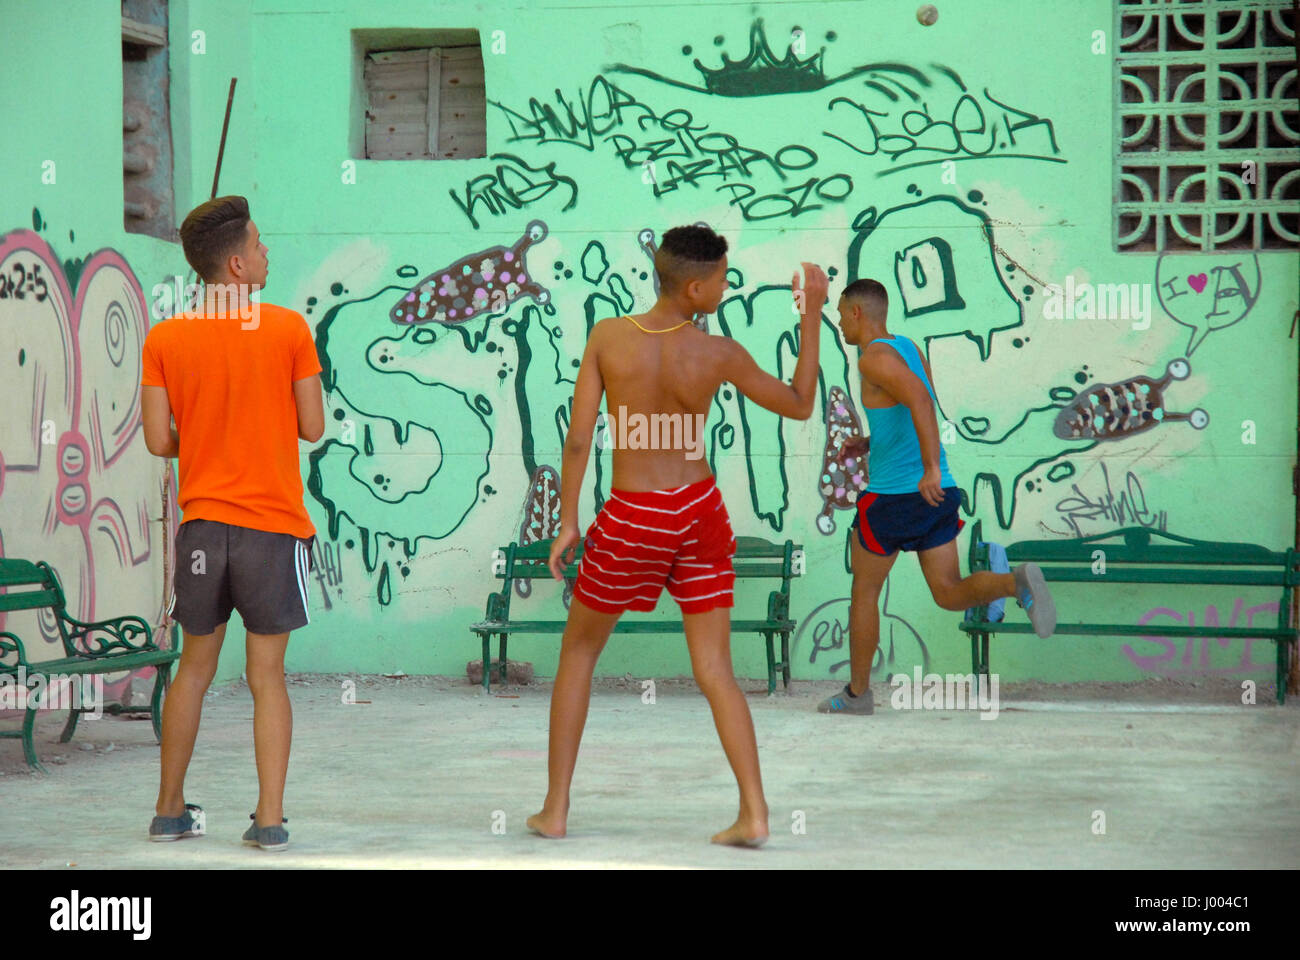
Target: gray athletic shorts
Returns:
[220, 567]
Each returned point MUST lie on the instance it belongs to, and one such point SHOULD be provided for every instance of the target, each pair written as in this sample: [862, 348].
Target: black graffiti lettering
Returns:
[1173, 289]
[687, 174]
[512, 186]
[833, 178]
[918, 130]
[1131, 505]
[747, 191]
[871, 146]
[824, 628]
[1031, 120]
[811, 157]
[981, 128]
[1237, 287]
[691, 152]
[785, 203]
[578, 126]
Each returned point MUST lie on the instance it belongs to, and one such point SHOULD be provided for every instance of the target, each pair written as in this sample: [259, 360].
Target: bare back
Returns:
[658, 388]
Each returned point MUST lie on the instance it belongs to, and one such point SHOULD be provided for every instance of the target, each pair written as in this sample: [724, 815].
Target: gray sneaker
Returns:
[268, 838]
[163, 829]
[845, 702]
[1033, 595]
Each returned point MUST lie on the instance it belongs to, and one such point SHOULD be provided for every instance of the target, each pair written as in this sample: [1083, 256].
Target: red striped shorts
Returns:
[642, 541]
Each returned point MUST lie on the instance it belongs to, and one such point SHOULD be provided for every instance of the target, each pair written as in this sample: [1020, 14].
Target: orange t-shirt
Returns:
[231, 392]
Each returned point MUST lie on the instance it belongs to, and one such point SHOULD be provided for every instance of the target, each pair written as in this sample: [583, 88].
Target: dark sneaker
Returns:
[268, 838]
[188, 824]
[1033, 595]
[845, 702]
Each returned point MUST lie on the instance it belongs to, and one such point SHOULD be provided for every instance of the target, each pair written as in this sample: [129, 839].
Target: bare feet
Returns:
[744, 833]
[549, 825]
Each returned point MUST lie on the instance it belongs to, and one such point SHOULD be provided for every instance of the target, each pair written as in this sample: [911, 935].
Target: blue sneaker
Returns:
[188, 824]
[268, 838]
[1033, 595]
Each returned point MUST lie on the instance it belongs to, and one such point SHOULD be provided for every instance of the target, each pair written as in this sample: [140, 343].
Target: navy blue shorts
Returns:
[889, 522]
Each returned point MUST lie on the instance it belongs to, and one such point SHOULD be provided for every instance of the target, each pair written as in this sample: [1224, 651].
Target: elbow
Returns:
[801, 408]
[311, 434]
[575, 448]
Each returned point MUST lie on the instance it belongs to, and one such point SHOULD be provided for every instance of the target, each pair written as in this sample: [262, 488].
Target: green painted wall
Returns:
[439, 435]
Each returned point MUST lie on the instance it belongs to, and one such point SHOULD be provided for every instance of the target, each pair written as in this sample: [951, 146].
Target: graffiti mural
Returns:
[73, 468]
[450, 352]
[844, 463]
[1207, 293]
[489, 280]
[1111, 411]
[1196, 655]
[827, 631]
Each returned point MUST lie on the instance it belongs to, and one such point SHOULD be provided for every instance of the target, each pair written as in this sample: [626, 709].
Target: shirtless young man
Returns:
[911, 499]
[664, 522]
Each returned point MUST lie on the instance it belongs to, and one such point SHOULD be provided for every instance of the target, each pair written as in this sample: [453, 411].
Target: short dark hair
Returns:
[686, 254]
[871, 294]
[212, 231]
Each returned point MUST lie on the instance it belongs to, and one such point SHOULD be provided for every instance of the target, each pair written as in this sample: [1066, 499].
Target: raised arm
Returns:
[797, 398]
[883, 366]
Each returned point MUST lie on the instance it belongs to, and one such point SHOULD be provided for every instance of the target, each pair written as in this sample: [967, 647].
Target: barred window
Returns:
[1207, 126]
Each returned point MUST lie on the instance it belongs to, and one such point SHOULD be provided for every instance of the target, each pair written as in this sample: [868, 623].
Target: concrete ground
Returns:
[431, 773]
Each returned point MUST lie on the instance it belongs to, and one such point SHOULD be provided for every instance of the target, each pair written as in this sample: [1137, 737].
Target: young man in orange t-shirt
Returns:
[242, 380]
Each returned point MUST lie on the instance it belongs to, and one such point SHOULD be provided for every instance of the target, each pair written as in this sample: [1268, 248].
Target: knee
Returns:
[709, 677]
[196, 673]
[868, 593]
[946, 597]
[264, 678]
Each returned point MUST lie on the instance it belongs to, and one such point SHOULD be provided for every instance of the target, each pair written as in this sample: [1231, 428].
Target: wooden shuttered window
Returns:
[426, 104]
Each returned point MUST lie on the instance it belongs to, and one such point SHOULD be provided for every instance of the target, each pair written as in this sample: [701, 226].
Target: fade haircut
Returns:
[212, 232]
[871, 295]
[686, 254]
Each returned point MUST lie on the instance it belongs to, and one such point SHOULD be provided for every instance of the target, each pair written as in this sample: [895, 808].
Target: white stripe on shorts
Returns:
[300, 565]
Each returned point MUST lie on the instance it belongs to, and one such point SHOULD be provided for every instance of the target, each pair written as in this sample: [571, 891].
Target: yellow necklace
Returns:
[669, 330]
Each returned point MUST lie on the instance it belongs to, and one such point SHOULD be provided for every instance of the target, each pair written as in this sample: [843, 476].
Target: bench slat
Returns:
[746, 548]
[1116, 574]
[30, 599]
[109, 664]
[14, 572]
[533, 571]
[1196, 553]
[1133, 630]
[624, 626]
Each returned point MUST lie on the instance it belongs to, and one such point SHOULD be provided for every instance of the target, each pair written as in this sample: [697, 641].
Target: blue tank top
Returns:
[894, 461]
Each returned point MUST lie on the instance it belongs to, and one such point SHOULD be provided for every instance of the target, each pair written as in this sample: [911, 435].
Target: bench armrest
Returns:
[124, 634]
[498, 606]
[778, 605]
[11, 645]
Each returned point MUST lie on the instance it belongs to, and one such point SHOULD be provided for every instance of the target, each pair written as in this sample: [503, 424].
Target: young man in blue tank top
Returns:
[911, 500]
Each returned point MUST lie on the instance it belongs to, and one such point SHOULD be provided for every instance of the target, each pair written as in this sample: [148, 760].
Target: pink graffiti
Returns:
[1165, 662]
[71, 489]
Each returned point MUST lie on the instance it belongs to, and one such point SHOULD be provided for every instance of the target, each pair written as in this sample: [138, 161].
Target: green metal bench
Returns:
[121, 649]
[754, 557]
[1137, 559]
